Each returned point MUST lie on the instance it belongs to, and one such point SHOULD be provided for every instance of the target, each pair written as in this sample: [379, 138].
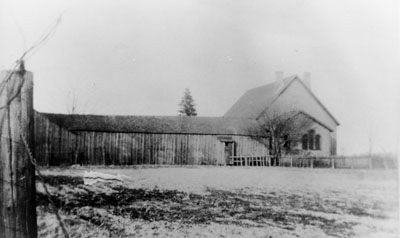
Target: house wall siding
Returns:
[325, 141]
[296, 97]
[333, 143]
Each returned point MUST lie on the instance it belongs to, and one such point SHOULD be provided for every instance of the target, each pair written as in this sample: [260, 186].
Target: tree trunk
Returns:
[17, 175]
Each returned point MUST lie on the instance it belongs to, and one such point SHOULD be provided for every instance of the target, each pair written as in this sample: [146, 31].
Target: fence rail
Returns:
[350, 162]
[335, 162]
[252, 160]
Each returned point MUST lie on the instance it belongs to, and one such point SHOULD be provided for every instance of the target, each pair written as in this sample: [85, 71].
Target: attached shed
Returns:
[132, 140]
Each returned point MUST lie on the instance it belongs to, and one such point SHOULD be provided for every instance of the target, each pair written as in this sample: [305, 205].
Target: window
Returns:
[286, 142]
[311, 139]
[304, 141]
[318, 142]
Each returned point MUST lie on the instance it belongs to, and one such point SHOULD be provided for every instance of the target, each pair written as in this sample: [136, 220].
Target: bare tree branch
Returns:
[280, 132]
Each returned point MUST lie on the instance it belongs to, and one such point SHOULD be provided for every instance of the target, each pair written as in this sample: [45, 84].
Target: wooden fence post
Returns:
[332, 162]
[17, 174]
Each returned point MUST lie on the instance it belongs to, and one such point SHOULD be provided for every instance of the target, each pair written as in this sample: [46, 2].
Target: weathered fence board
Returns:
[17, 175]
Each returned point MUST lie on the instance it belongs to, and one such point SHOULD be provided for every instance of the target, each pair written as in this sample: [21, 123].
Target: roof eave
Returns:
[308, 90]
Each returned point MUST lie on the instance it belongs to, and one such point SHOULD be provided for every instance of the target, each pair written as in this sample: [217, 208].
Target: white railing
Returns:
[250, 160]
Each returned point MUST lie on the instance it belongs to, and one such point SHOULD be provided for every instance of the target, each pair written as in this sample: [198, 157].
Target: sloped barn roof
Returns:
[153, 124]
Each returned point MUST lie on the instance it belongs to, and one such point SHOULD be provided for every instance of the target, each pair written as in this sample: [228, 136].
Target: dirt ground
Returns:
[222, 202]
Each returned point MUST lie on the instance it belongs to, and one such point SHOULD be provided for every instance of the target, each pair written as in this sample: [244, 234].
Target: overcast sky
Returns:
[136, 57]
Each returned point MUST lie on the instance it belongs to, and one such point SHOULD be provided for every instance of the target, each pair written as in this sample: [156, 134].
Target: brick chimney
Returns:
[307, 79]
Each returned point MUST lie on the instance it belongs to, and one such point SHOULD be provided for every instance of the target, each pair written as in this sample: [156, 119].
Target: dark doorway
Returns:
[230, 150]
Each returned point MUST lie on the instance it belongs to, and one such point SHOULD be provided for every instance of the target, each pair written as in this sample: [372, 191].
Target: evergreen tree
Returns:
[187, 104]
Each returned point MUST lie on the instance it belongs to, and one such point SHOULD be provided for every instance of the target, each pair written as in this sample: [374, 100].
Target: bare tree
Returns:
[281, 132]
[79, 99]
[72, 104]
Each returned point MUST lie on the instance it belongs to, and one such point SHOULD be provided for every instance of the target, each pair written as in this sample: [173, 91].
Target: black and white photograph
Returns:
[199, 118]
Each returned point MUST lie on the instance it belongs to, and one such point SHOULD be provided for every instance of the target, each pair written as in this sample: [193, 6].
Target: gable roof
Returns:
[152, 124]
[256, 101]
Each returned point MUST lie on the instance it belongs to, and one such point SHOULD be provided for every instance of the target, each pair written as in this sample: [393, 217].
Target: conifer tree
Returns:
[187, 105]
